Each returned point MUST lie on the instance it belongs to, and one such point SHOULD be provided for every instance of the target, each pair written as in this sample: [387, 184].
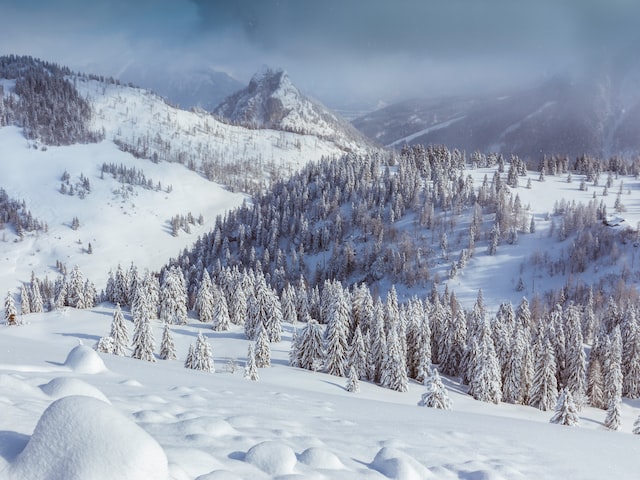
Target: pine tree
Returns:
[288, 302]
[251, 370]
[238, 306]
[75, 289]
[357, 354]
[636, 426]
[631, 357]
[204, 299]
[566, 412]
[455, 341]
[263, 349]
[203, 355]
[613, 418]
[544, 387]
[167, 346]
[484, 382]
[595, 385]
[436, 395]
[576, 360]
[189, 360]
[173, 298]
[353, 383]
[25, 305]
[221, 320]
[37, 305]
[144, 341]
[309, 346]
[119, 332]
[515, 384]
[613, 378]
[10, 311]
[393, 374]
[336, 334]
[423, 347]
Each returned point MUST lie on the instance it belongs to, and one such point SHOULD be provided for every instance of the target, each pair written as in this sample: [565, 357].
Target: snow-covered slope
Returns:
[290, 422]
[272, 101]
[123, 223]
[149, 126]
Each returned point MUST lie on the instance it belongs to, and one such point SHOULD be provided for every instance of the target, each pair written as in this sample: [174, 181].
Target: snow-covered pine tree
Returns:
[336, 334]
[377, 335]
[119, 332]
[221, 320]
[173, 297]
[422, 353]
[455, 341]
[144, 341]
[188, 361]
[436, 395]
[167, 346]
[75, 289]
[10, 311]
[357, 354]
[25, 305]
[613, 418]
[90, 294]
[631, 356]
[485, 379]
[263, 349]
[516, 378]
[393, 374]
[251, 370]
[613, 378]
[204, 299]
[576, 359]
[353, 383]
[288, 302]
[309, 345]
[203, 355]
[595, 383]
[636, 426]
[238, 305]
[36, 302]
[566, 412]
[544, 386]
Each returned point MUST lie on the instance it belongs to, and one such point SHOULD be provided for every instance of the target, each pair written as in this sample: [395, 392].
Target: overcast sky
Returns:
[334, 49]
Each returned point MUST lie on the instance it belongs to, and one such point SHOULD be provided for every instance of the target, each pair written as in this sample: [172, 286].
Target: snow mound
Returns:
[219, 475]
[393, 463]
[65, 386]
[271, 457]
[316, 457]
[79, 437]
[83, 359]
[9, 383]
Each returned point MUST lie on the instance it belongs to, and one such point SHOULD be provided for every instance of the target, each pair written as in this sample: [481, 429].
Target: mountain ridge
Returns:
[271, 100]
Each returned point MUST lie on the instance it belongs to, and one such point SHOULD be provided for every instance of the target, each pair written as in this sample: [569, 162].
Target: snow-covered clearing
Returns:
[289, 424]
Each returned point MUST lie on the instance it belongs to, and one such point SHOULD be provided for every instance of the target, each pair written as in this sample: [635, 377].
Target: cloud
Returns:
[333, 48]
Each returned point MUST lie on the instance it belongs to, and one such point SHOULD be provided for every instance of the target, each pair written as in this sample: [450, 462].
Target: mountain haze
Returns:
[596, 117]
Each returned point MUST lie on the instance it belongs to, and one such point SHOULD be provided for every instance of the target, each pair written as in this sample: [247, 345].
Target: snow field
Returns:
[289, 424]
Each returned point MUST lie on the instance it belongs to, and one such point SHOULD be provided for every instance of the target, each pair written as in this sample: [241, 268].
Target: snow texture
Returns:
[80, 437]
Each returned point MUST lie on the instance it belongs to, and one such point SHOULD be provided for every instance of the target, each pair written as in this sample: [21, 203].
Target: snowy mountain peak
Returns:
[271, 100]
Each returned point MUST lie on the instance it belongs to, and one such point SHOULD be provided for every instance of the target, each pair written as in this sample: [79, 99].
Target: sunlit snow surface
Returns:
[289, 424]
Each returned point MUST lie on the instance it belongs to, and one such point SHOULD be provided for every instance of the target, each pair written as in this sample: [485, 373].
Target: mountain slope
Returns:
[559, 117]
[272, 101]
